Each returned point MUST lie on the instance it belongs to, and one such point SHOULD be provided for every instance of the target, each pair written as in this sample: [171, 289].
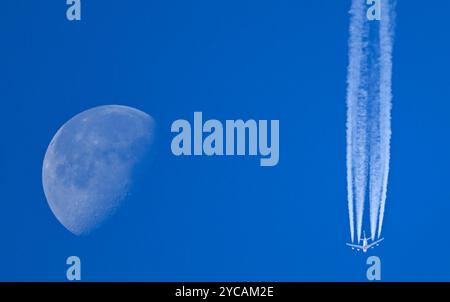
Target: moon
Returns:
[90, 164]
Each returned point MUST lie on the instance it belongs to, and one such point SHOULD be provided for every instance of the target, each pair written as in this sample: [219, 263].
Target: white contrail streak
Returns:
[356, 119]
[386, 46]
[368, 116]
[376, 165]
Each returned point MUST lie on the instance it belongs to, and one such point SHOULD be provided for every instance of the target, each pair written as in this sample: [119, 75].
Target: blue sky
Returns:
[223, 219]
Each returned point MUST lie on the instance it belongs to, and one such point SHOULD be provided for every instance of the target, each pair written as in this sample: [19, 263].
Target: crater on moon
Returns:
[89, 165]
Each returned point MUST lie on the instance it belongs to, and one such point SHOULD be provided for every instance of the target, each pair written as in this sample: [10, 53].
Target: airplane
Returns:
[365, 244]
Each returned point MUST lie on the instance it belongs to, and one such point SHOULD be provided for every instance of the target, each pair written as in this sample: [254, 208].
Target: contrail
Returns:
[386, 46]
[368, 115]
[356, 119]
[376, 165]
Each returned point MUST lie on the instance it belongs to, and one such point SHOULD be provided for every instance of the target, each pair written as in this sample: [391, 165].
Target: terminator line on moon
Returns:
[88, 167]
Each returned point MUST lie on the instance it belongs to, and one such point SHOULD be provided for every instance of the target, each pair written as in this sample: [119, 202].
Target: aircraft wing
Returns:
[375, 243]
[355, 246]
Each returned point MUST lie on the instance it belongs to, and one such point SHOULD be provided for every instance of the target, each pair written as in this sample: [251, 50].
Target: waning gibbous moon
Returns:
[89, 165]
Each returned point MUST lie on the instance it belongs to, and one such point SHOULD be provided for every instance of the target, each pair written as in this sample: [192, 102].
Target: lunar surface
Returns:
[89, 166]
